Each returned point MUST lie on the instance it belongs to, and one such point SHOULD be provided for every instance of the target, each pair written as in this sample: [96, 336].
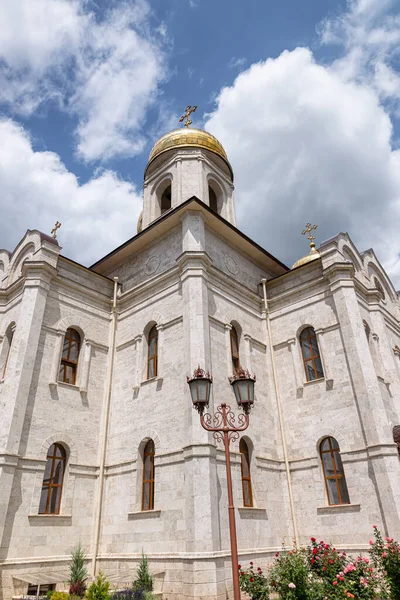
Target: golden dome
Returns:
[313, 255]
[190, 138]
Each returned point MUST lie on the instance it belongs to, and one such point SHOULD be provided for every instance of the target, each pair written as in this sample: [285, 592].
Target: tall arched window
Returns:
[310, 352]
[166, 200]
[70, 357]
[6, 349]
[335, 481]
[50, 498]
[246, 477]
[235, 349]
[152, 353]
[212, 197]
[148, 476]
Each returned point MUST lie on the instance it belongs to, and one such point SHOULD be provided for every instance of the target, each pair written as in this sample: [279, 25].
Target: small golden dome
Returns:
[190, 138]
[313, 255]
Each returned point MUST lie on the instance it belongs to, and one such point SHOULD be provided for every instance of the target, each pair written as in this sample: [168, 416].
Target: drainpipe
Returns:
[100, 487]
[278, 402]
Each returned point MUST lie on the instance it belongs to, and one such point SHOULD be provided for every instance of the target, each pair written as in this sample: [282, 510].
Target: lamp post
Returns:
[226, 430]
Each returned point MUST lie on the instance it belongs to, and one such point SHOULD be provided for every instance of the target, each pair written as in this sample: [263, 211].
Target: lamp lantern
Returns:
[243, 386]
[200, 388]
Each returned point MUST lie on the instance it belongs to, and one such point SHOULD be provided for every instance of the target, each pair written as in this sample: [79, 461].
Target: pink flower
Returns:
[371, 543]
[374, 526]
[291, 585]
[334, 583]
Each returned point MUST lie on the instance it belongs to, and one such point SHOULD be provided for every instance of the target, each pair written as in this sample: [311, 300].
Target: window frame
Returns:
[66, 361]
[246, 479]
[151, 481]
[312, 358]
[234, 356]
[53, 457]
[337, 473]
[153, 334]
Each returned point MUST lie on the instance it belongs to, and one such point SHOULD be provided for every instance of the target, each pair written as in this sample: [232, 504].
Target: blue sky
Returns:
[303, 95]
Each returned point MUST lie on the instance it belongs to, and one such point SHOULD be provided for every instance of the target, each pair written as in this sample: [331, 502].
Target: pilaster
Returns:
[16, 387]
[367, 395]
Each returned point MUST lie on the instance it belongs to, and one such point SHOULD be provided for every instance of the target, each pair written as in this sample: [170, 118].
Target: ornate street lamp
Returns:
[224, 428]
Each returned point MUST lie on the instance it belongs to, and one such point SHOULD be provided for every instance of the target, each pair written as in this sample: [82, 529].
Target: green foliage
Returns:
[59, 595]
[49, 594]
[253, 582]
[99, 589]
[292, 577]
[77, 572]
[385, 555]
[144, 580]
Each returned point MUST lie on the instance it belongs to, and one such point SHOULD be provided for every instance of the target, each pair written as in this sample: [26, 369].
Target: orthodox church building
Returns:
[99, 443]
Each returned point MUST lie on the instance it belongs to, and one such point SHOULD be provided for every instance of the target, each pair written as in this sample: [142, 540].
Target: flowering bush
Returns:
[254, 582]
[325, 561]
[292, 578]
[385, 555]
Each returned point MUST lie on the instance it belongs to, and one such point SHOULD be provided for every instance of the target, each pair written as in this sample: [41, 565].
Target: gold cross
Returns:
[189, 110]
[54, 230]
[308, 230]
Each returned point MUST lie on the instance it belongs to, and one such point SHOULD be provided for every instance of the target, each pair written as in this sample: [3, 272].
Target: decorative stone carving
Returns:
[152, 264]
[231, 264]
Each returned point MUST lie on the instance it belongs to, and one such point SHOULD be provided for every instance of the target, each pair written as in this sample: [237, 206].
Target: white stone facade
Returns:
[193, 276]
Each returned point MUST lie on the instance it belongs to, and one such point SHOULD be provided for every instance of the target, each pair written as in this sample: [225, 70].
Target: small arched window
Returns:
[310, 352]
[235, 349]
[50, 498]
[166, 199]
[212, 197]
[152, 353]
[6, 349]
[148, 476]
[70, 357]
[246, 477]
[335, 481]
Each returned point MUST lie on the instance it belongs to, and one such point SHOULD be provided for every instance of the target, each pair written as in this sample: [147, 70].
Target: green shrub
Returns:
[59, 595]
[292, 578]
[77, 572]
[385, 555]
[144, 580]
[253, 582]
[99, 589]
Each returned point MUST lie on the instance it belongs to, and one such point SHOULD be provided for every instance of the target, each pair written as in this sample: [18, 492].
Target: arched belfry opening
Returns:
[215, 197]
[165, 200]
[212, 196]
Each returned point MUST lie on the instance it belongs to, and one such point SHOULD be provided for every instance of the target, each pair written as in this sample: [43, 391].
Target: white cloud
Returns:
[308, 145]
[105, 71]
[37, 190]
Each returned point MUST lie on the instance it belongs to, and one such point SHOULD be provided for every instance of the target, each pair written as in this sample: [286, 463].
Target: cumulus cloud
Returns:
[309, 145]
[37, 190]
[105, 71]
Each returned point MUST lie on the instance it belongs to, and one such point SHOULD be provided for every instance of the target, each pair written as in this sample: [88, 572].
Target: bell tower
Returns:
[184, 163]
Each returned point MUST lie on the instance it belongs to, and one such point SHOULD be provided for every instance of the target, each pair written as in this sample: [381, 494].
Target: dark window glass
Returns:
[235, 349]
[335, 481]
[50, 498]
[311, 357]
[148, 477]
[70, 357]
[166, 200]
[212, 196]
[152, 353]
[246, 477]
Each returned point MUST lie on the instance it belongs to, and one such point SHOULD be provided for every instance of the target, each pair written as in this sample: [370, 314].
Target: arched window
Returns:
[311, 357]
[246, 477]
[6, 349]
[235, 349]
[70, 356]
[152, 353]
[335, 481]
[367, 330]
[212, 197]
[166, 200]
[148, 476]
[50, 498]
